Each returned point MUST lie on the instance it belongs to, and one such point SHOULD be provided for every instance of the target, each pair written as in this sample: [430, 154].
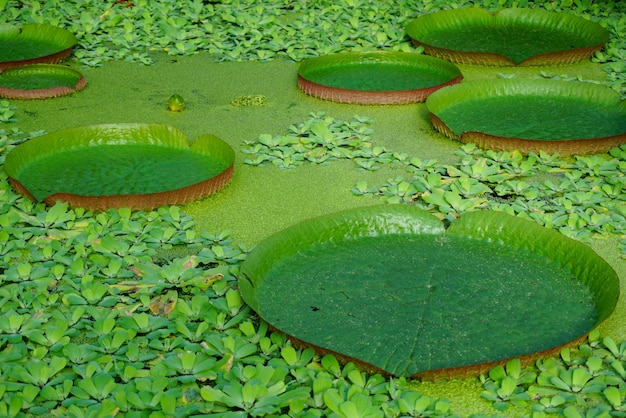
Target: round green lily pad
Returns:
[375, 77]
[40, 81]
[531, 115]
[391, 289]
[509, 37]
[34, 43]
[140, 166]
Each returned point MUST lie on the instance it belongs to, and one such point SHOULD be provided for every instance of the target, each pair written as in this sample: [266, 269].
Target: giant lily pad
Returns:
[391, 289]
[40, 81]
[375, 77]
[34, 44]
[507, 38]
[531, 115]
[140, 166]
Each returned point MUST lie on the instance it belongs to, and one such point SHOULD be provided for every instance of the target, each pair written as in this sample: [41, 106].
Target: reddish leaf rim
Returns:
[207, 143]
[365, 97]
[47, 93]
[596, 34]
[405, 219]
[486, 88]
[66, 42]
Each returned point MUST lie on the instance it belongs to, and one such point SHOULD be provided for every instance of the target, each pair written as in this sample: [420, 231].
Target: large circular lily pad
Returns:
[375, 77]
[509, 37]
[40, 81]
[141, 166]
[531, 115]
[391, 289]
[34, 43]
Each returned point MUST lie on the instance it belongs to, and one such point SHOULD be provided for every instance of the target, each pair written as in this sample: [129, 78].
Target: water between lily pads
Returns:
[409, 304]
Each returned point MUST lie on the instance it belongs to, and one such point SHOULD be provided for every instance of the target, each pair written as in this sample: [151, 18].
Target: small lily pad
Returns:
[375, 77]
[34, 43]
[391, 289]
[140, 166]
[531, 115]
[509, 37]
[40, 81]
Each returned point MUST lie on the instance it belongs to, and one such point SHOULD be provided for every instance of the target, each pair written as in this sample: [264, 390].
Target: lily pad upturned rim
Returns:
[158, 135]
[488, 226]
[596, 35]
[470, 90]
[64, 39]
[368, 97]
[41, 70]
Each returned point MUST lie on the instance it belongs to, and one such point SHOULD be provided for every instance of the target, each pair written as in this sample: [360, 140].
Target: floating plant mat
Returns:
[140, 166]
[40, 81]
[34, 43]
[375, 77]
[510, 37]
[390, 288]
[531, 115]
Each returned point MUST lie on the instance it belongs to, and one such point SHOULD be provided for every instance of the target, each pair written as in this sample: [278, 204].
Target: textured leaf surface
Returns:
[116, 159]
[389, 287]
[40, 76]
[513, 35]
[33, 41]
[531, 109]
[376, 71]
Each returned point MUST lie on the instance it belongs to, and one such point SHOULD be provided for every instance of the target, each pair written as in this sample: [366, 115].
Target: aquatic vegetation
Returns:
[320, 139]
[511, 115]
[372, 78]
[137, 311]
[40, 81]
[328, 281]
[579, 196]
[587, 380]
[108, 30]
[7, 112]
[508, 37]
[34, 43]
[140, 166]
[141, 377]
